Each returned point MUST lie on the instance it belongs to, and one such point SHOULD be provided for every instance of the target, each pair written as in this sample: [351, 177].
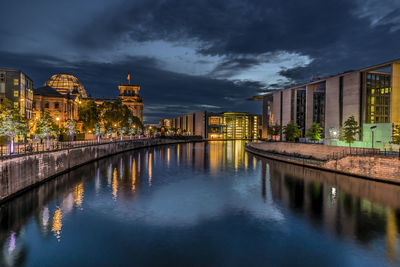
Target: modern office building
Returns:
[217, 126]
[191, 124]
[61, 107]
[17, 87]
[371, 95]
[233, 125]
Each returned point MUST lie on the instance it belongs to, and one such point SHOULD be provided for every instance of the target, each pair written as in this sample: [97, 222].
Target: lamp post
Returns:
[372, 134]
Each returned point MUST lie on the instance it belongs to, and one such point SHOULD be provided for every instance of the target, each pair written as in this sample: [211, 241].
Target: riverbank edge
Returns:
[302, 162]
[51, 177]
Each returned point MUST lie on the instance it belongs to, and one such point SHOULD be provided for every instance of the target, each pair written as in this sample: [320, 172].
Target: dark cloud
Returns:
[166, 94]
[337, 35]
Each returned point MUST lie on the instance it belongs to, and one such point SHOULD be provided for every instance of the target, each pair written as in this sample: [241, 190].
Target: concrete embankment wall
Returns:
[20, 173]
[315, 151]
[375, 168]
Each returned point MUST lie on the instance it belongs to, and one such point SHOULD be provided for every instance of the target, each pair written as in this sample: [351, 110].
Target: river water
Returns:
[201, 204]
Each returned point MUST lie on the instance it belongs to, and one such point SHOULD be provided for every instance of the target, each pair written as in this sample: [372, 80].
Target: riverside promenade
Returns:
[20, 172]
[363, 163]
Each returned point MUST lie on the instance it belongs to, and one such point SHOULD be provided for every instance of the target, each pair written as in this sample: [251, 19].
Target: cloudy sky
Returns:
[199, 54]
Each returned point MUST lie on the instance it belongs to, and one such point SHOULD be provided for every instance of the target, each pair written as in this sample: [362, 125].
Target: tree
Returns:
[45, 127]
[97, 131]
[396, 134]
[275, 130]
[314, 133]
[292, 131]
[89, 114]
[108, 129]
[70, 128]
[12, 123]
[350, 130]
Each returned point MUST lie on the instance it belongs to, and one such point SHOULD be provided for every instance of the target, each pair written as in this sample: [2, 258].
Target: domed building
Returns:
[66, 84]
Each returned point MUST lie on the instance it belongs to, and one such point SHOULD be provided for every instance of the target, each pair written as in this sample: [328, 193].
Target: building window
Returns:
[319, 105]
[301, 109]
[292, 102]
[56, 105]
[16, 93]
[16, 82]
[15, 104]
[341, 101]
[47, 105]
[378, 98]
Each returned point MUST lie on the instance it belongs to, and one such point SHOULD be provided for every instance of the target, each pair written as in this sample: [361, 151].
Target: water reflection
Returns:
[349, 207]
[217, 187]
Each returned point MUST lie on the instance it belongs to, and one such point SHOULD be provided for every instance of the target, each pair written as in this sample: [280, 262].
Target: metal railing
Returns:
[357, 151]
[27, 148]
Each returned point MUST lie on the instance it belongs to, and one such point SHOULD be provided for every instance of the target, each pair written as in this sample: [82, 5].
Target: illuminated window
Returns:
[16, 93]
[16, 82]
[15, 104]
[378, 97]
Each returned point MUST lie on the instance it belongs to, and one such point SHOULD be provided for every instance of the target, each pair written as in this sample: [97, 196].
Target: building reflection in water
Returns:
[97, 184]
[348, 207]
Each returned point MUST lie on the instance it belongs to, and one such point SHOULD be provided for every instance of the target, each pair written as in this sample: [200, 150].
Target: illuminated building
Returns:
[61, 107]
[228, 125]
[129, 96]
[371, 95]
[66, 84]
[17, 87]
[233, 125]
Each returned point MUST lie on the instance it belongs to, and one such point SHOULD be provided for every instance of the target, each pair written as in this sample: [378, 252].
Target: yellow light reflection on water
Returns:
[133, 175]
[391, 235]
[78, 194]
[115, 184]
[57, 224]
[168, 156]
[150, 167]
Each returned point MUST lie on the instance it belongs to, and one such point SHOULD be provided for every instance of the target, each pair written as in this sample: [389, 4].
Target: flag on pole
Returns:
[129, 77]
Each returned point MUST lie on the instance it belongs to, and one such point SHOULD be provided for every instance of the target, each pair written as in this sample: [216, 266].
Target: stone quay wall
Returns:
[373, 167]
[385, 169]
[313, 151]
[20, 173]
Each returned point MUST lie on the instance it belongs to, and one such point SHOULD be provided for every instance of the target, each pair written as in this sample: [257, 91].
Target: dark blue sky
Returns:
[194, 55]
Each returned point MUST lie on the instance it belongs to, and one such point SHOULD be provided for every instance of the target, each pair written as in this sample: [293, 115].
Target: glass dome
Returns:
[65, 84]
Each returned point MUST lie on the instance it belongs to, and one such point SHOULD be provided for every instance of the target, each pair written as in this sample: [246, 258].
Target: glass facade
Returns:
[319, 104]
[301, 109]
[66, 84]
[378, 97]
[233, 126]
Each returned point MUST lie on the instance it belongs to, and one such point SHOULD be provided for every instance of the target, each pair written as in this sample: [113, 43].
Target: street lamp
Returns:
[372, 134]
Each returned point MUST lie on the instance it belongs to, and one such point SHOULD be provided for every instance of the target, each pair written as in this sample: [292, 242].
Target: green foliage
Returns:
[275, 130]
[45, 126]
[70, 127]
[292, 131]
[97, 129]
[396, 134]
[11, 122]
[89, 114]
[116, 117]
[314, 133]
[350, 130]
